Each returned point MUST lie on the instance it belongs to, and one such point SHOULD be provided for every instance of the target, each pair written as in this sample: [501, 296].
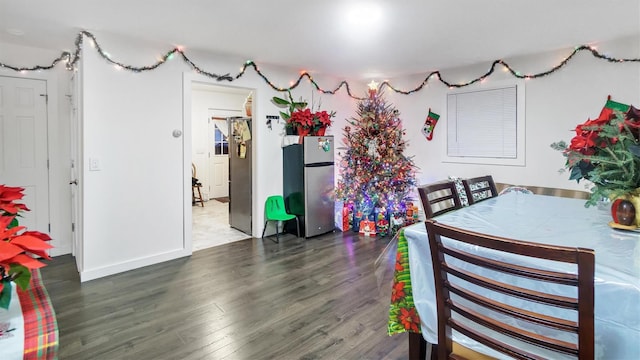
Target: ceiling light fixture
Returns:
[364, 14]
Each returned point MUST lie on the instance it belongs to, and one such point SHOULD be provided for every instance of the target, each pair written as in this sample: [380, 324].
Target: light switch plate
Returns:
[94, 164]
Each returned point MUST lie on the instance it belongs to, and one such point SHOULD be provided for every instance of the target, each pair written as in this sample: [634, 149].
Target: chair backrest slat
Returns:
[439, 198]
[480, 188]
[514, 294]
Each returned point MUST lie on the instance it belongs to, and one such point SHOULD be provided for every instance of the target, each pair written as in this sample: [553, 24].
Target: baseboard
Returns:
[97, 273]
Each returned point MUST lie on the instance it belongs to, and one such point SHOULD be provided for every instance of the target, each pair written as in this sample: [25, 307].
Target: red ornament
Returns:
[614, 208]
[624, 212]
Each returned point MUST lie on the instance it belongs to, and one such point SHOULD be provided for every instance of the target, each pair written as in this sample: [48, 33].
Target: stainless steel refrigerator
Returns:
[240, 196]
[308, 178]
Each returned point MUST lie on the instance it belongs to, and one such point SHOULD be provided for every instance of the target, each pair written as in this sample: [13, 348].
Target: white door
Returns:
[219, 151]
[23, 149]
[219, 160]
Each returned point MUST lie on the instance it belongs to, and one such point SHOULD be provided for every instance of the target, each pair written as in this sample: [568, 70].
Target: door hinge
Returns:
[46, 97]
[73, 227]
[47, 164]
[49, 229]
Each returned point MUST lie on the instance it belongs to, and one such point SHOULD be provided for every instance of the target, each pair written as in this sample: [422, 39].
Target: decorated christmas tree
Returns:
[376, 177]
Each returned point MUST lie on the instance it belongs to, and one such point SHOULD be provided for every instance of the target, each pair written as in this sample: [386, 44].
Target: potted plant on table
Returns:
[606, 152]
[17, 246]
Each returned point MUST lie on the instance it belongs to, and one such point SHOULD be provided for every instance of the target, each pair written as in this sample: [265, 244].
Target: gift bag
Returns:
[343, 215]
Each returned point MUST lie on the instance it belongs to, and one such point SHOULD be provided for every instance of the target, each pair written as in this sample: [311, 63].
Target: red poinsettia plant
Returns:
[303, 119]
[18, 247]
[606, 152]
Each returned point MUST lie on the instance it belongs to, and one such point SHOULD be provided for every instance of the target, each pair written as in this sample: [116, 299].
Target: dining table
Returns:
[535, 218]
[28, 328]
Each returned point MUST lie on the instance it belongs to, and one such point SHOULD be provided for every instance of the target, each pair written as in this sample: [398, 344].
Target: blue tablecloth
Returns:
[549, 220]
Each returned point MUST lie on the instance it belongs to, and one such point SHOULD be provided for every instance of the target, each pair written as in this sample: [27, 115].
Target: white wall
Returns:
[137, 205]
[58, 109]
[133, 205]
[555, 104]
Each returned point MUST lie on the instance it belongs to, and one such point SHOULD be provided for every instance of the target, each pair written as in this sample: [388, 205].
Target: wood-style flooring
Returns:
[314, 298]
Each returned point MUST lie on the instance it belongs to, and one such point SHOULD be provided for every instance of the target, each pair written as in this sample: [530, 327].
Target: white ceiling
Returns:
[408, 36]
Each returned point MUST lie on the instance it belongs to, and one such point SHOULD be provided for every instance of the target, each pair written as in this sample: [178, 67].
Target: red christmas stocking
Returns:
[430, 124]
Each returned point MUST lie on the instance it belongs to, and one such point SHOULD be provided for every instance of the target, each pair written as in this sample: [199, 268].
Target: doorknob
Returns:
[74, 182]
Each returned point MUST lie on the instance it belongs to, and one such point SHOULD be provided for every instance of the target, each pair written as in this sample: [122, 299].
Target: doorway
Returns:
[211, 106]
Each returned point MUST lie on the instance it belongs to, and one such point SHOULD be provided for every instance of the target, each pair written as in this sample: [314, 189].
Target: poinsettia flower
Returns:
[38, 234]
[8, 233]
[303, 118]
[606, 151]
[582, 143]
[324, 118]
[5, 221]
[8, 251]
[8, 196]
[399, 266]
[30, 243]
[8, 193]
[26, 261]
[17, 246]
[13, 208]
[409, 319]
[397, 292]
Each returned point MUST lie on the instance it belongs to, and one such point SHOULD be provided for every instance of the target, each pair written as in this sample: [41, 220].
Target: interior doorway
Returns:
[211, 106]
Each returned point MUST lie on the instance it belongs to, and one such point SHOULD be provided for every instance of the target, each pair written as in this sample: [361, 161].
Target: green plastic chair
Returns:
[274, 210]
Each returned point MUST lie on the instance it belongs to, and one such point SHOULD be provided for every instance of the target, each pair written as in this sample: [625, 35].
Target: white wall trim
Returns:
[132, 265]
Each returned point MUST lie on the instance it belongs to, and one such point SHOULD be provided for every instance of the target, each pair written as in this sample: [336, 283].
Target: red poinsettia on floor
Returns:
[18, 247]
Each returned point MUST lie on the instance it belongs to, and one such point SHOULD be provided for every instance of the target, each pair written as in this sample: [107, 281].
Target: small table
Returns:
[537, 218]
[31, 327]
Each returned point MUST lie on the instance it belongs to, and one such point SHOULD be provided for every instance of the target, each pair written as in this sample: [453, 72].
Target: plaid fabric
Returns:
[40, 326]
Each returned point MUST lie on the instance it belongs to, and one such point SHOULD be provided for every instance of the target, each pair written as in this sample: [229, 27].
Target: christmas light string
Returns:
[513, 72]
[72, 59]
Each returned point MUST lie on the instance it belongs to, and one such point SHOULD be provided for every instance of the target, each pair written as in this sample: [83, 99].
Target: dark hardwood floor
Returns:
[301, 299]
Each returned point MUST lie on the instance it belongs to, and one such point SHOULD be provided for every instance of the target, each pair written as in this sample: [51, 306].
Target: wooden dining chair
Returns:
[439, 198]
[457, 261]
[480, 188]
[196, 185]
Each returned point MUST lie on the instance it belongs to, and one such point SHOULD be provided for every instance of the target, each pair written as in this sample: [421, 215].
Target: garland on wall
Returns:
[71, 59]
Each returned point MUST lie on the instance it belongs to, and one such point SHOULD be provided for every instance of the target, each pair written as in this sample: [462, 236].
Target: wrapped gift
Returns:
[416, 214]
[409, 207]
[362, 211]
[396, 221]
[367, 227]
[358, 216]
[412, 213]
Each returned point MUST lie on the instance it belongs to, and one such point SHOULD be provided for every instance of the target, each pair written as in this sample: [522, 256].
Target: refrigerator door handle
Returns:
[320, 164]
